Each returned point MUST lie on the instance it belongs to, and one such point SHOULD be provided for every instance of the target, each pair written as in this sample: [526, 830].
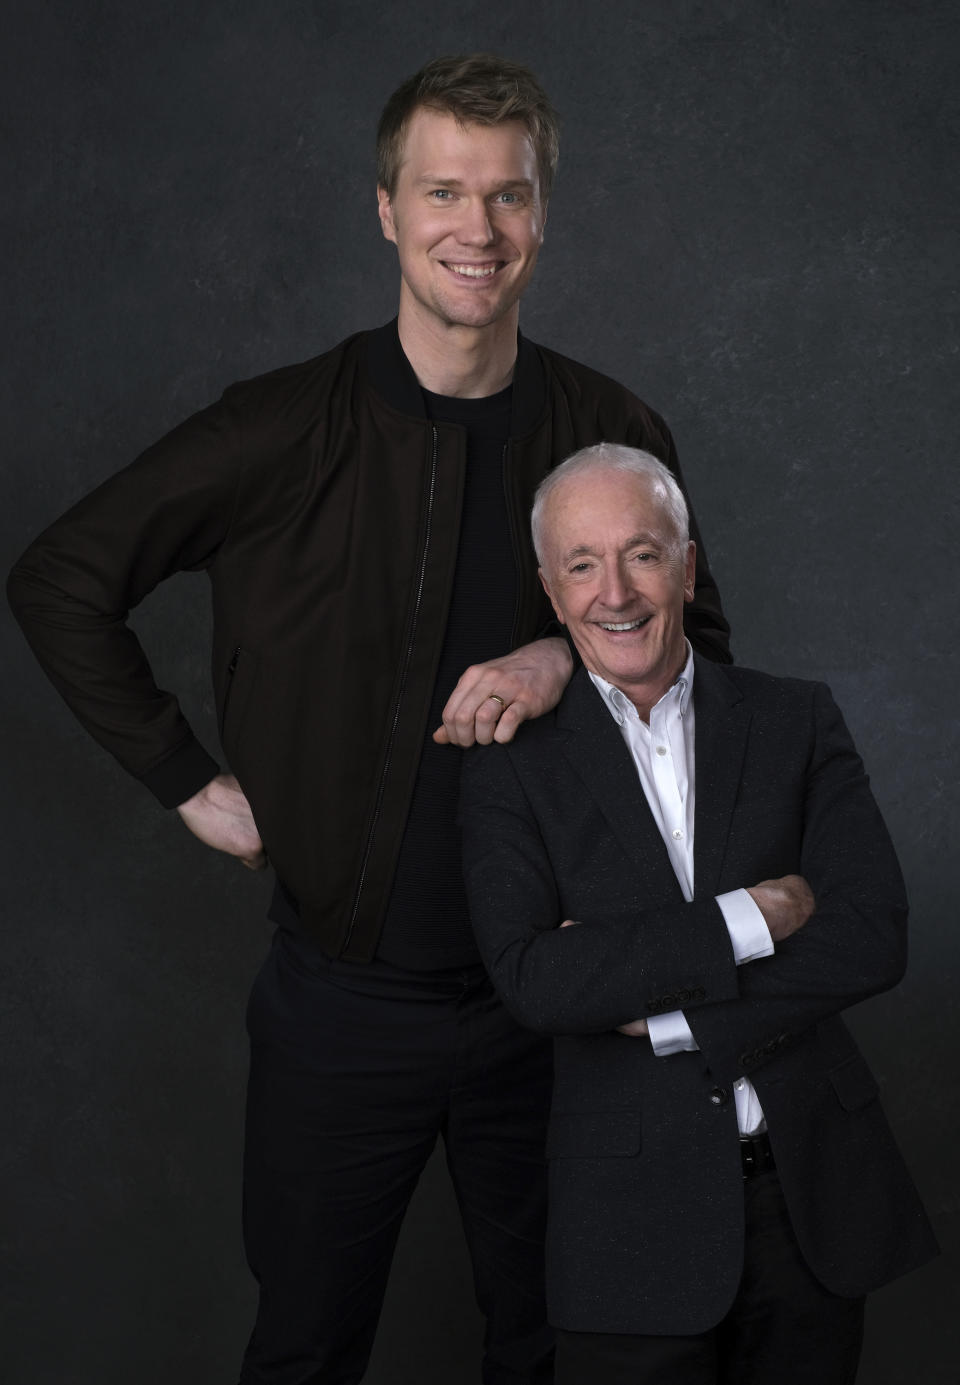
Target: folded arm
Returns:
[756, 918]
[621, 968]
[620, 965]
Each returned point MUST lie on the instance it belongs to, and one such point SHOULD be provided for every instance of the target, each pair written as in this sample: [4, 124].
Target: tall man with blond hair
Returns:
[361, 517]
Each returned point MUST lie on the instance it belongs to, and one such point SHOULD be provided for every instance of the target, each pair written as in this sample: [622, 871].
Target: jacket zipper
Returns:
[408, 655]
[512, 524]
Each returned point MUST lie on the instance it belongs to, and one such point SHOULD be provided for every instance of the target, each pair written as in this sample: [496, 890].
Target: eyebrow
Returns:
[507, 186]
[582, 550]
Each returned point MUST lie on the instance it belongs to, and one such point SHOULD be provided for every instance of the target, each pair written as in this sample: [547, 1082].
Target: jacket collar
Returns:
[592, 742]
[392, 377]
[723, 719]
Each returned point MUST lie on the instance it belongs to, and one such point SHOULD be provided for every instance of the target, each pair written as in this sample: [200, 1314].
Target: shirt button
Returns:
[661, 750]
[738, 1085]
[677, 834]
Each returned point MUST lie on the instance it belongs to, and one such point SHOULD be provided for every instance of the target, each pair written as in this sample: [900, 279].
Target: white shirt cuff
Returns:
[670, 1033]
[746, 925]
[749, 938]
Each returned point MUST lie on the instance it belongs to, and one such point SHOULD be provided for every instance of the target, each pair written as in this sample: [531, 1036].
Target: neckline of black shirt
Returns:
[488, 416]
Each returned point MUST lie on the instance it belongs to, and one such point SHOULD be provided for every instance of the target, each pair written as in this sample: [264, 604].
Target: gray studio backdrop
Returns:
[755, 228]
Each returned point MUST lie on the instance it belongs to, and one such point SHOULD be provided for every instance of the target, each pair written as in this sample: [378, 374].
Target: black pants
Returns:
[355, 1071]
[784, 1327]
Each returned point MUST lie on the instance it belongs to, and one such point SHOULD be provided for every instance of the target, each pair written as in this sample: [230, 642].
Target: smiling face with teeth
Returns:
[617, 575]
[467, 220]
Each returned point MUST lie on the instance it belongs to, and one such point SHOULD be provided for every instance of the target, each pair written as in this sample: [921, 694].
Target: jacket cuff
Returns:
[181, 774]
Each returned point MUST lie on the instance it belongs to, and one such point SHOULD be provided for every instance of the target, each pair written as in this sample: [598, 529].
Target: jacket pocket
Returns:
[241, 672]
[854, 1084]
[593, 1134]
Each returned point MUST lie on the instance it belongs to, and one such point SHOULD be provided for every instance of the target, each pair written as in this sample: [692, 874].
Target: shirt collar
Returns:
[622, 709]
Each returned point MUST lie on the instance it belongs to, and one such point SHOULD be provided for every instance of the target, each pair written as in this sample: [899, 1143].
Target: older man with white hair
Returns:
[682, 874]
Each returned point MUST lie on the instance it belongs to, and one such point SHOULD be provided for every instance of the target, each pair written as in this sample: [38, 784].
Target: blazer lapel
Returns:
[594, 746]
[722, 728]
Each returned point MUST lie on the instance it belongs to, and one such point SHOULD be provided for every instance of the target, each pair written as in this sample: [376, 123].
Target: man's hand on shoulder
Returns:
[220, 816]
[785, 904]
[492, 699]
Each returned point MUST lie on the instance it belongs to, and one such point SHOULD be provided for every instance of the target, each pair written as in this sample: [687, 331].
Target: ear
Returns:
[385, 210]
[546, 587]
[543, 222]
[690, 571]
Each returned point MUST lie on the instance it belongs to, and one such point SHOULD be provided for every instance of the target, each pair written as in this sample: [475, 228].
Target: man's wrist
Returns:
[670, 1033]
[749, 935]
[183, 773]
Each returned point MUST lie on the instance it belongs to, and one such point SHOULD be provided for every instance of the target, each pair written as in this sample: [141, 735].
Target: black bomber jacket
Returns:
[324, 506]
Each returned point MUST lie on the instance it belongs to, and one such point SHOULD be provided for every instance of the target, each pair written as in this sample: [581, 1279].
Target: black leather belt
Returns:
[756, 1155]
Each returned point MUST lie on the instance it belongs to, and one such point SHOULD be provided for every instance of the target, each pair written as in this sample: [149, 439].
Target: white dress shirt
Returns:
[664, 754]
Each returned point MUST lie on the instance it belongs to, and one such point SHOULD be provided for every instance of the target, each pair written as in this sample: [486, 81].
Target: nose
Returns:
[616, 591]
[475, 226]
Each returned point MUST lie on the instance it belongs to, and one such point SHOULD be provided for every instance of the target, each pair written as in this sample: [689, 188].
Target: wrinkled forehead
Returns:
[607, 500]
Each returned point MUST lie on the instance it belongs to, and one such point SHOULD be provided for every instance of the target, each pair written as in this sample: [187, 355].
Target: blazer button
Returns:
[718, 1096]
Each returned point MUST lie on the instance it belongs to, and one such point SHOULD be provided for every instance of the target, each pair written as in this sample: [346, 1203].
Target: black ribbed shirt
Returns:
[427, 926]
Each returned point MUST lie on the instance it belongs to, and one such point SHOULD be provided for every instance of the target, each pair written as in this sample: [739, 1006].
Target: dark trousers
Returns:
[355, 1071]
[784, 1327]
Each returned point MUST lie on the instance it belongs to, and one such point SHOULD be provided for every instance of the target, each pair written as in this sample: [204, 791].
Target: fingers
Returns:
[798, 892]
[476, 716]
[492, 699]
[220, 816]
[636, 1029]
[510, 718]
[794, 884]
[805, 893]
[786, 904]
[488, 717]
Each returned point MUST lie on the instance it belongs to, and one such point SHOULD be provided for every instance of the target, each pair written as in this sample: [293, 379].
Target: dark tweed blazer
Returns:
[646, 1219]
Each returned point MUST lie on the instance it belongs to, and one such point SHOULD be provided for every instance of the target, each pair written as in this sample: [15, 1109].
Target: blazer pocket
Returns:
[854, 1084]
[593, 1134]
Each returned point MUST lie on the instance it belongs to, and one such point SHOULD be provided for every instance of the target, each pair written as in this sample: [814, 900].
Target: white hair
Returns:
[612, 456]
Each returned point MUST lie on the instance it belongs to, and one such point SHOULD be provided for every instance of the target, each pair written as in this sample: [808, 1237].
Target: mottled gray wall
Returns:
[755, 228]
